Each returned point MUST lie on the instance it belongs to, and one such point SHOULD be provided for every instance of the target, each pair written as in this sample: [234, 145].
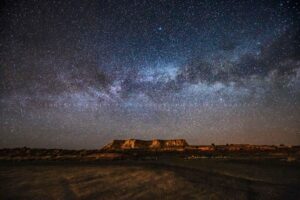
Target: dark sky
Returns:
[77, 74]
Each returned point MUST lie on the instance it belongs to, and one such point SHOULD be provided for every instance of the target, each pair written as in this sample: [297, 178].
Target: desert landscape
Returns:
[149, 99]
[157, 169]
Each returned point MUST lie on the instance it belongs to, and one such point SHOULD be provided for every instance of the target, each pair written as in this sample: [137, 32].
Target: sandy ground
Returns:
[183, 180]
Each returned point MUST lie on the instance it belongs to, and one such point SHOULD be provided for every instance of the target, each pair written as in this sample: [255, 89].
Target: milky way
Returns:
[77, 74]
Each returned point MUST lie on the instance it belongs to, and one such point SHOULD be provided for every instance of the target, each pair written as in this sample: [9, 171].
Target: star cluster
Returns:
[77, 74]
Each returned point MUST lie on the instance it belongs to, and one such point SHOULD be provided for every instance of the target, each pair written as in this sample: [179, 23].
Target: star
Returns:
[84, 73]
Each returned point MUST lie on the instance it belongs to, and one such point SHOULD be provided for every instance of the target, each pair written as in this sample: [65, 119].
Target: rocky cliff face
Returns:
[175, 144]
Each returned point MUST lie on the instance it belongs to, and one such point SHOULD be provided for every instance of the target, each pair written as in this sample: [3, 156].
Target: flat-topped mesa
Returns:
[175, 144]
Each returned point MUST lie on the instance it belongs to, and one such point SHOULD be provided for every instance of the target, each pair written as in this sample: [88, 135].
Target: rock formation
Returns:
[175, 144]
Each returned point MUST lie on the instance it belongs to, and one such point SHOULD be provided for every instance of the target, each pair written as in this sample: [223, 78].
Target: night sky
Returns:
[77, 74]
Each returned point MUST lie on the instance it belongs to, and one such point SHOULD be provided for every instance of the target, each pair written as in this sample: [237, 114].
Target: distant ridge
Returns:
[182, 145]
[174, 144]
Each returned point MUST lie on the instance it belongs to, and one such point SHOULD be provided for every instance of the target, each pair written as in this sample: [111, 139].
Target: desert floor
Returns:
[163, 179]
